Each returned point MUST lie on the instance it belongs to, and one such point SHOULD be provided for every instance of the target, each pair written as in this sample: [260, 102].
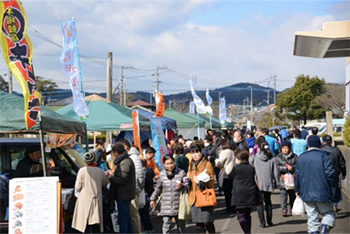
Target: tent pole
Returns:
[198, 132]
[94, 141]
[41, 135]
[86, 136]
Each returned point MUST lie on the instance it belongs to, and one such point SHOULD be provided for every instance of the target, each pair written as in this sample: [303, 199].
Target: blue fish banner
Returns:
[158, 139]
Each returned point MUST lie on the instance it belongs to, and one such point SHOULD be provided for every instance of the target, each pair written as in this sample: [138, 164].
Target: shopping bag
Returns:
[288, 181]
[205, 198]
[69, 202]
[114, 217]
[298, 207]
[142, 199]
[184, 207]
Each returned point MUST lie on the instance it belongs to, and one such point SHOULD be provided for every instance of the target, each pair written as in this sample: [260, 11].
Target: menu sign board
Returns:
[33, 205]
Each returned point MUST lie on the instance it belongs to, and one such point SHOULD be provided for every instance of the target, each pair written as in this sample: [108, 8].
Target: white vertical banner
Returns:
[223, 116]
[193, 83]
[70, 62]
[192, 106]
[209, 99]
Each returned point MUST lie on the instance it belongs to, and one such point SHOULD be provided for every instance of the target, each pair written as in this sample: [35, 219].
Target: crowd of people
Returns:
[244, 166]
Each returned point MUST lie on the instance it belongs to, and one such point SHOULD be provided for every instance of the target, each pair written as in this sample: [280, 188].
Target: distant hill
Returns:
[234, 94]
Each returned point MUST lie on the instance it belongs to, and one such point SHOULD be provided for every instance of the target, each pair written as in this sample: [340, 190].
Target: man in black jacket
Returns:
[337, 160]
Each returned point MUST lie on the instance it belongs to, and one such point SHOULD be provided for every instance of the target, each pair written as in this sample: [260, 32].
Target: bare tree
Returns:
[333, 99]
[180, 105]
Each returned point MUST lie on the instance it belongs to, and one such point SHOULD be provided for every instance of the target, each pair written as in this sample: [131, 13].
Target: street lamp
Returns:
[251, 104]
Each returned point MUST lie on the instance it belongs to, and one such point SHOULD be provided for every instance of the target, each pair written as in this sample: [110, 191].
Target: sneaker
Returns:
[270, 224]
[325, 228]
[284, 213]
[262, 225]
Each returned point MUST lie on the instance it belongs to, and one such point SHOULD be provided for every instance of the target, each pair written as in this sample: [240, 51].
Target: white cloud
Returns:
[148, 34]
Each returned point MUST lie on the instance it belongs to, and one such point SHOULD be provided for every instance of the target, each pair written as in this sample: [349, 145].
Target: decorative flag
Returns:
[17, 51]
[136, 130]
[193, 84]
[160, 105]
[192, 106]
[158, 140]
[71, 64]
[209, 99]
[200, 107]
[223, 116]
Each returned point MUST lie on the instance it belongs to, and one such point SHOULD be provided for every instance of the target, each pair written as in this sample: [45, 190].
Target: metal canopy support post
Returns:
[41, 135]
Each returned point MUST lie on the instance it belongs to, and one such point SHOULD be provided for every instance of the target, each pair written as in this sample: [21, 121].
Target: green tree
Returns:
[298, 102]
[3, 84]
[43, 85]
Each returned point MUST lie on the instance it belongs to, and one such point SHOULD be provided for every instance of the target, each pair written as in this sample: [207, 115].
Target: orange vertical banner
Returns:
[17, 51]
[160, 105]
[136, 130]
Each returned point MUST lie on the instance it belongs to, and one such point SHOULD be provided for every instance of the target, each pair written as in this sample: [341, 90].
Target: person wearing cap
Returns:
[286, 161]
[30, 165]
[316, 182]
[88, 211]
[337, 160]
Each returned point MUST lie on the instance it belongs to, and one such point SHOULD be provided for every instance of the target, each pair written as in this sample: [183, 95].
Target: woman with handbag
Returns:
[202, 214]
[88, 214]
[286, 161]
[169, 182]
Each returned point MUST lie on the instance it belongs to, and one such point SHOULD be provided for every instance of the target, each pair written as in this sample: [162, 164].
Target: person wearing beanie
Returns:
[337, 160]
[88, 211]
[316, 182]
[286, 161]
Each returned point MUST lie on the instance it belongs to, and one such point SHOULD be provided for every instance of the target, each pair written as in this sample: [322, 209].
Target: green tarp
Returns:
[105, 115]
[214, 121]
[182, 120]
[12, 118]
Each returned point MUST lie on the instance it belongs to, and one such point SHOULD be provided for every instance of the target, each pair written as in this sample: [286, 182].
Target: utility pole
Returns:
[10, 82]
[251, 104]
[268, 97]
[274, 89]
[157, 82]
[109, 90]
[169, 104]
[109, 76]
[274, 98]
[121, 93]
[124, 92]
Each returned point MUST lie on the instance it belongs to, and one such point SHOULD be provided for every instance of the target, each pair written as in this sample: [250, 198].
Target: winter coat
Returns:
[140, 176]
[89, 209]
[182, 162]
[250, 142]
[225, 162]
[245, 192]
[266, 171]
[315, 178]
[171, 195]
[242, 145]
[273, 145]
[123, 180]
[194, 170]
[337, 159]
[281, 161]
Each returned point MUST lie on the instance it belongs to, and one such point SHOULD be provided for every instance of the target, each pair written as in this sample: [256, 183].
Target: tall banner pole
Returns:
[211, 127]
[41, 135]
[198, 131]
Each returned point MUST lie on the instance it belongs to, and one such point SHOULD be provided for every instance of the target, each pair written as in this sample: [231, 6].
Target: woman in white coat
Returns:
[88, 211]
[225, 162]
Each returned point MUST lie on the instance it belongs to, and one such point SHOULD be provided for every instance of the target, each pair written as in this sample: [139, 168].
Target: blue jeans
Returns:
[314, 209]
[124, 219]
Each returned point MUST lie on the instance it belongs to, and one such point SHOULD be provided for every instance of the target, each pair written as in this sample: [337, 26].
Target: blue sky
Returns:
[223, 42]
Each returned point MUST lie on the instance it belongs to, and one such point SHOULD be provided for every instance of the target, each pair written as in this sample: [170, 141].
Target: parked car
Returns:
[65, 160]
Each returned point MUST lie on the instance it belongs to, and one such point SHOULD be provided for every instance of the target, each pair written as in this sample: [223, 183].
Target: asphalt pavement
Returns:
[291, 224]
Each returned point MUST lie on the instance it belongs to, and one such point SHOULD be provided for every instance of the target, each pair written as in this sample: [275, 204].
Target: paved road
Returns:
[291, 224]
